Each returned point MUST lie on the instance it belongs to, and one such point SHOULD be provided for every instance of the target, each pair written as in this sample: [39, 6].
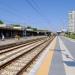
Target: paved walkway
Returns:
[57, 66]
[70, 44]
[59, 60]
[63, 62]
[67, 56]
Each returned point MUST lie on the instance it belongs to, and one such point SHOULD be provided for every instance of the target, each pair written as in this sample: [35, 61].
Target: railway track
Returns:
[19, 43]
[8, 55]
[4, 50]
[15, 62]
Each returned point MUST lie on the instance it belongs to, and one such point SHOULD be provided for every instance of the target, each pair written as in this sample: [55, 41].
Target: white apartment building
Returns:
[71, 25]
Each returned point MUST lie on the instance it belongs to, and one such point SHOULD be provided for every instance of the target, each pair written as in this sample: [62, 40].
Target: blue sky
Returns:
[44, 14]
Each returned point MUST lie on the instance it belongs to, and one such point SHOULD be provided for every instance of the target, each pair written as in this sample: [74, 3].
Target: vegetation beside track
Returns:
[70, 35]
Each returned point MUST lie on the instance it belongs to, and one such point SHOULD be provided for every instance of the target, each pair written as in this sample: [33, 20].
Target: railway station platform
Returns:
[57, 59]
[43, 62]
[14, 40]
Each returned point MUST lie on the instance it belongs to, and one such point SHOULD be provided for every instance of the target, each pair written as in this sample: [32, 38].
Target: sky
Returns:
[41, 14]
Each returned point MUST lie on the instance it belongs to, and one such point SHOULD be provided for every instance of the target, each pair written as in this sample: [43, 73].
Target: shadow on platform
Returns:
[70, 63]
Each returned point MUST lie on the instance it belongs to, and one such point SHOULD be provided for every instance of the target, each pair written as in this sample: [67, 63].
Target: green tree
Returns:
[34, 29]
[1, 22]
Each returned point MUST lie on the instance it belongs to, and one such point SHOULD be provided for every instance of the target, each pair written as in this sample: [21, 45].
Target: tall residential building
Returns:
[71, 26]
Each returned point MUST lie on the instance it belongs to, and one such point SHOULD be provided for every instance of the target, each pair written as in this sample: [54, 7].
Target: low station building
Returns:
[10, 31]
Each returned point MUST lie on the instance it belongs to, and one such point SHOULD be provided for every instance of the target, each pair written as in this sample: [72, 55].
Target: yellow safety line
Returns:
[45, 66]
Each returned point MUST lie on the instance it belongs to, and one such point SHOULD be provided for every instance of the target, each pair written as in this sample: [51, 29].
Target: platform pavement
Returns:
[70, 44]
[60, 61]
[57, 66]
[63, 62]
[68, 55]
[42, 64]
[14, 40]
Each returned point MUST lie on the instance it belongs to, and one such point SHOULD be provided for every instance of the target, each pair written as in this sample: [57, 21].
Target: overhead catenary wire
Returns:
[37, 10]
[13, 11]
[34, 2]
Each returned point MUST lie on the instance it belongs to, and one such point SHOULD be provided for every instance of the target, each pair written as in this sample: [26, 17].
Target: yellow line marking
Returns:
[45, 66]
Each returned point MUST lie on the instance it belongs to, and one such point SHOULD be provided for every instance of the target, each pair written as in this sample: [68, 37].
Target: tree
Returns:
[16, 25]
[1, 22]
[34, 29]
